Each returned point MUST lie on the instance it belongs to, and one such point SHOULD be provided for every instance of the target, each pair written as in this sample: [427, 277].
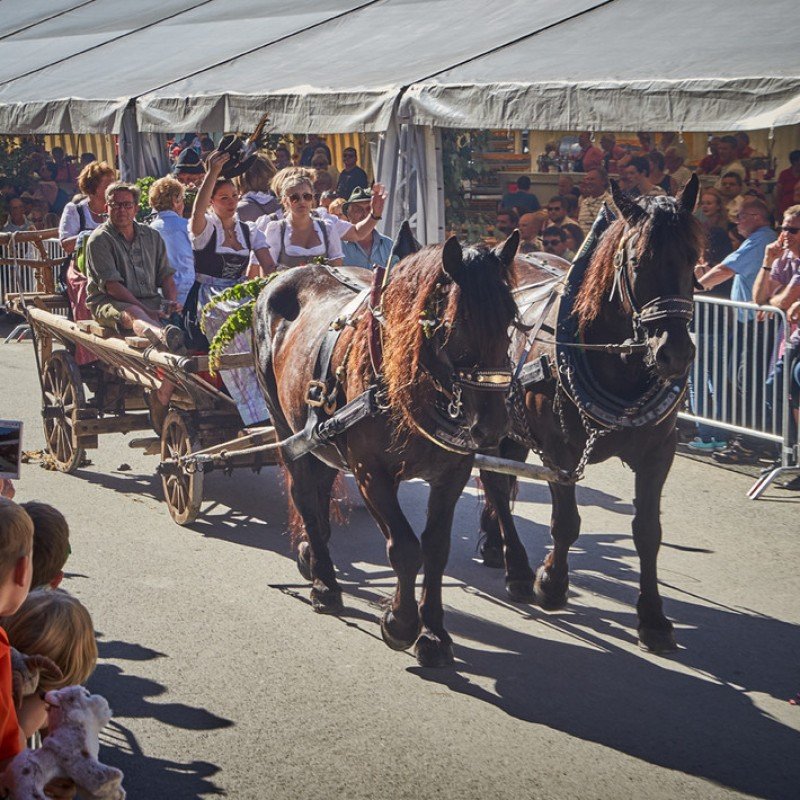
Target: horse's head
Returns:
[449, 310]
[653, 265]
[474, 347]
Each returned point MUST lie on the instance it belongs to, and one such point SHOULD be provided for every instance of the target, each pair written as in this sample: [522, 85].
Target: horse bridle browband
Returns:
[659, 308]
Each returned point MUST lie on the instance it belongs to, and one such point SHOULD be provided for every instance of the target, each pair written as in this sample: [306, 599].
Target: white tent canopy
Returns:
[629, 65]
[342, 65]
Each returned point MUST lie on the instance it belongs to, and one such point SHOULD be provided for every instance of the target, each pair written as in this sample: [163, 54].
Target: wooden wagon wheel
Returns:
[183, 490]
[62, 388]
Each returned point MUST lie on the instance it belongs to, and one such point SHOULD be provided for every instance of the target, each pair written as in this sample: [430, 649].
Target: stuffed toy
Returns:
[75, 719]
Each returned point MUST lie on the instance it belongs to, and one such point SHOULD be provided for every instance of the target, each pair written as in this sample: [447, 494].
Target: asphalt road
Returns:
[225, 683]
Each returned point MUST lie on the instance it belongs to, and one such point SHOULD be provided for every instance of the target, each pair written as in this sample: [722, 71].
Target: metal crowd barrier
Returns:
[733, 387]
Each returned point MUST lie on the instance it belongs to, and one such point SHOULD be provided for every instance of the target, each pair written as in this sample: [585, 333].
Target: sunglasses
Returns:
[296, 198]
[554, 208]
[790, 229]
[551, 242]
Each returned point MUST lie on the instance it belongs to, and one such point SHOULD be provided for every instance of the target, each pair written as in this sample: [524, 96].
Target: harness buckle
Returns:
[316, 394]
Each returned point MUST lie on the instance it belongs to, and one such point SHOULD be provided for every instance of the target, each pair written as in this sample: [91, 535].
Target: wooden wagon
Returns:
[81, 402]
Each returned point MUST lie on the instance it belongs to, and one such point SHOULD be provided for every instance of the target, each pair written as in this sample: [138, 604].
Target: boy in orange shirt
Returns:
[16, 547]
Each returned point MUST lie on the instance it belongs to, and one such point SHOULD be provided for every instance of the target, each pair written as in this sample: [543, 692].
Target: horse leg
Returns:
[655, 630]
[499, 490]
[552, 577]
[400, 622]
[311, 482]
[325, 480]
[434, 647]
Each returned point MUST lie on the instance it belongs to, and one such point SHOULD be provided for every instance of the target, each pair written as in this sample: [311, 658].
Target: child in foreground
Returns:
[50, 544]
[54, 624]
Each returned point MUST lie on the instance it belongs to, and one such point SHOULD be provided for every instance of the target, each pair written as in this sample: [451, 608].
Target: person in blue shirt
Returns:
[375, 248]
[746, 371]
[166, 198]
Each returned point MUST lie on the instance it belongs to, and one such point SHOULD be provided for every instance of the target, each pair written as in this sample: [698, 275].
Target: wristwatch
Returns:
[374, 217]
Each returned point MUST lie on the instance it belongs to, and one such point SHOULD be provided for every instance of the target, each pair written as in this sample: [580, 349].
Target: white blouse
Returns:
[70, 223]
[214, 223]
[273, 237]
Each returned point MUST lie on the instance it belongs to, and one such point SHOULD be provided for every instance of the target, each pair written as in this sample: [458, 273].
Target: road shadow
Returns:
[147, 776]
[129, 696]
[701, 723]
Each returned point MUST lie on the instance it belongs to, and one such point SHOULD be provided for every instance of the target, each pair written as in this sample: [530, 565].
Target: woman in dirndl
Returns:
[223, 248]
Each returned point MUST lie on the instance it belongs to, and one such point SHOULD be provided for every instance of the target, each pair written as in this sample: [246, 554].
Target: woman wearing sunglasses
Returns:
[300, 236]
[227, 251]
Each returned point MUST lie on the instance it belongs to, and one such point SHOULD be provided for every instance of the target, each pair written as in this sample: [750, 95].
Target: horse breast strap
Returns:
[574, 372]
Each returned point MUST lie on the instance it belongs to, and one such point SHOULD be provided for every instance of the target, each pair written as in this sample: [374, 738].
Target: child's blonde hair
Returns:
[55, 624]
[16, 535]
[50, 542]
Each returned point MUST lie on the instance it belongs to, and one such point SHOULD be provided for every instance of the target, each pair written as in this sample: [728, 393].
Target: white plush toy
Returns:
[71, 750]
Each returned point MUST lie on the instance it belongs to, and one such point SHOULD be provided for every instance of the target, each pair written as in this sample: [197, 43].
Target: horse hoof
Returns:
[304, 560]
[431, 651]
[393, 634]
[548, 596]
[521, 591]
[325, 600]
[657, 640]
[492, 556]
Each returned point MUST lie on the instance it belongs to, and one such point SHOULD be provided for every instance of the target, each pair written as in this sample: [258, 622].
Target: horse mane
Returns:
[481, 299]
[667, 232]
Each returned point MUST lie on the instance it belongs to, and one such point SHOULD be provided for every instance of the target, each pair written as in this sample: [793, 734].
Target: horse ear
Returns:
[632, 212]
[688, 197]
[508, 250]
[452, 258]
[405, 244]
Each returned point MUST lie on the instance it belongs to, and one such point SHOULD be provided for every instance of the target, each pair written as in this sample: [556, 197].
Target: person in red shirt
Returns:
[709, 163]
[784, 188]
[591, 157]
[16, 549]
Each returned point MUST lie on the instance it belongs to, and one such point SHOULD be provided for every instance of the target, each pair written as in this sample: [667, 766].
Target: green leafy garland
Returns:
[239, 321]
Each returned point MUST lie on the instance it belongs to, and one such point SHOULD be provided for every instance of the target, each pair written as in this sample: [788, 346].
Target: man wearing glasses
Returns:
[126, 265]
[744, 265]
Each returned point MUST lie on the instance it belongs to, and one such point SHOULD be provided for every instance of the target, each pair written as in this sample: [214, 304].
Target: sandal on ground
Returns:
[157, 410]
[736, 453]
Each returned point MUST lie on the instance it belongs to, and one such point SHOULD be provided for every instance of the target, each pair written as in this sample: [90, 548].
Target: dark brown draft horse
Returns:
[612, 367]
[441, 396]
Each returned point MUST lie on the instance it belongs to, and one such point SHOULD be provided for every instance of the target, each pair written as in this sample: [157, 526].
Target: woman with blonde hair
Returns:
[300, 236]
[54, 624]
[256, 199]
[167, 199]
[714, 219]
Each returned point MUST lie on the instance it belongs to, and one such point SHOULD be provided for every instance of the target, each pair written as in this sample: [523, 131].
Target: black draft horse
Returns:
[640, 281]
[447, 312]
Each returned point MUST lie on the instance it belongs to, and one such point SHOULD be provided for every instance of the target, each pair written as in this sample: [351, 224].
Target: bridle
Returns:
[659, 308]
[450, 381]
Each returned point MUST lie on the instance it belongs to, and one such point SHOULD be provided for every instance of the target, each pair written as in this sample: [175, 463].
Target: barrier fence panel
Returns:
[741, 378]
[16, 277]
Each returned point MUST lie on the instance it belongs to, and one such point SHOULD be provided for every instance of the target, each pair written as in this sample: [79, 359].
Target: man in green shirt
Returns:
[126, 264]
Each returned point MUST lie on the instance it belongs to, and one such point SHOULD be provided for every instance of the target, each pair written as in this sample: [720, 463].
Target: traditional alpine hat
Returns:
[359, 195]
[242, 149]
[189, 162]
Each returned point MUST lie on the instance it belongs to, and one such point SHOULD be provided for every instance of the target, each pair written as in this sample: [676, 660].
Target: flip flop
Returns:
[795, 701]
[169, 339]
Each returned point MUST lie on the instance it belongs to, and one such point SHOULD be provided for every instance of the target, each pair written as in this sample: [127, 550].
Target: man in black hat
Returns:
[188, 168]
[373, 248]
[352, 176]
